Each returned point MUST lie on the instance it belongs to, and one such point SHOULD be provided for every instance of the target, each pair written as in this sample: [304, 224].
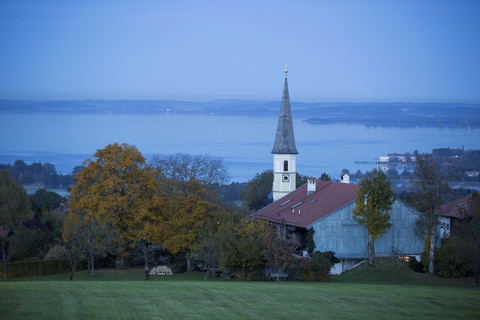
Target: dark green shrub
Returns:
[309, 242]
[316, 268]
[446, 262]
[35, 268]
[330, 255]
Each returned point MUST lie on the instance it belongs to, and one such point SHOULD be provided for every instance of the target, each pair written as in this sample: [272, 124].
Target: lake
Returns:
[244, 143]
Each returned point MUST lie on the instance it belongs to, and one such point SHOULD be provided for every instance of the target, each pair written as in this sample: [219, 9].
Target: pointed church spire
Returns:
[285, 139]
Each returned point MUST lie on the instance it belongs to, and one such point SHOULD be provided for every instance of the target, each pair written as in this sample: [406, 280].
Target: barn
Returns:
[327, 208]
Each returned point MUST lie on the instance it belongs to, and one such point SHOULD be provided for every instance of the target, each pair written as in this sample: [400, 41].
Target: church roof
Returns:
[301, 209]
[285, 139]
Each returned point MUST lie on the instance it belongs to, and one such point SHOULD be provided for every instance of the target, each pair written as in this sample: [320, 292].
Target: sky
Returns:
[342, 50]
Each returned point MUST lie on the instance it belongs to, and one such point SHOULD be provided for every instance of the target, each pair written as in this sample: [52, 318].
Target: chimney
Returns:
[311, 186]
[345, 178]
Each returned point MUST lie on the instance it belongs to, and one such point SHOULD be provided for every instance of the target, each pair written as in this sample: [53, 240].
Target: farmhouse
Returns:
[327, 207]
[451, 213]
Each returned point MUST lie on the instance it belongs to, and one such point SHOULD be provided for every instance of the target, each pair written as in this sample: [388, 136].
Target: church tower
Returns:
[284, 151]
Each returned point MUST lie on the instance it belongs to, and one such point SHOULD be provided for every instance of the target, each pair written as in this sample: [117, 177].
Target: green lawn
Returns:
[124, 294]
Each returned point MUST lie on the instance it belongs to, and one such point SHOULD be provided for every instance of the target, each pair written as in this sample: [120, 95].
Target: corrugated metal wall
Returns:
[339, 233]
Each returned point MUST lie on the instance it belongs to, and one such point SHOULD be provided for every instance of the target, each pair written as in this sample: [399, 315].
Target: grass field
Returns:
[123, 294]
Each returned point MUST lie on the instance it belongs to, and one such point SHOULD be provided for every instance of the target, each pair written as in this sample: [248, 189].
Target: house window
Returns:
[285, 165]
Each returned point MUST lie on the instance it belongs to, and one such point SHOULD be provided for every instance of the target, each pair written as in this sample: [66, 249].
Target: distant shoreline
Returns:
[372, 114]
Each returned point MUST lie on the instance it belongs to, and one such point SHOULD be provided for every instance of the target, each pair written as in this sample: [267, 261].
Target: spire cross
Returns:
[286, 71]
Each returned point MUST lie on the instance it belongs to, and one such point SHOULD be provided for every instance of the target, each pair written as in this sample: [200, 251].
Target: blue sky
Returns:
[201, 50]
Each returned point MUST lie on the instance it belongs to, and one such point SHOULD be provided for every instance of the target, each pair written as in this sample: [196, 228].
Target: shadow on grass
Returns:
[381, 273]
[129, 274]
[388, 271]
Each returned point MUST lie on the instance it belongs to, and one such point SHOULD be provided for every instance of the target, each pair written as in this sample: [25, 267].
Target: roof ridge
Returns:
[328, 183]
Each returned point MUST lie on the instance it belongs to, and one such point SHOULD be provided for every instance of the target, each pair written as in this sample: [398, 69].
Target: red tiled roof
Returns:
[301, 210]
[452, 209]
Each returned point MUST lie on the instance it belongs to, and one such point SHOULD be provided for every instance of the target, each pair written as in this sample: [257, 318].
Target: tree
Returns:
[392, 174]
[325, 177]
[189, 185]
[182, 169]
[14, 204]
[257, 193]
[118, 190]
[35, 237]
[217, 225]
[65, 251]
[184, 219]
[45, 199]
[278, 251]
[87, 233]
[467, 239]
[372, 205]
[300, 179]
[240, 245]
[208, 250]
[317, 267]
[77, 169]
[429, 183]
[4, 246]
[309, 241]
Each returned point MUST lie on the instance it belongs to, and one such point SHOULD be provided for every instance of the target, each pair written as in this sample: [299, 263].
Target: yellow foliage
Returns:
[119, 190]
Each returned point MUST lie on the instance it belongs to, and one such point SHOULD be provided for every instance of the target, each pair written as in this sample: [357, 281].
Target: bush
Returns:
[309, 242]
[446, 263]
[316, 268]
[35, 268]
[56, 252]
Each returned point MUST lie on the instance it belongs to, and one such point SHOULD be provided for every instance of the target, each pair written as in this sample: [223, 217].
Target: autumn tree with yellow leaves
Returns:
[117, 191]
[186, 215]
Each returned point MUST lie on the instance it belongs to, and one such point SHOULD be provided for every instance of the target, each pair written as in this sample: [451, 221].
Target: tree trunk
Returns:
[92, 265]
[431, 262]
[73, 266]
[123, 263]
[4, 259]
[189, 264]
[147, 272]
[89, 264]
[371, 250]
[476, 273]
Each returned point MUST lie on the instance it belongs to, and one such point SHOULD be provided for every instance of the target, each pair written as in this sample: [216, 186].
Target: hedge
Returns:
[35, 268]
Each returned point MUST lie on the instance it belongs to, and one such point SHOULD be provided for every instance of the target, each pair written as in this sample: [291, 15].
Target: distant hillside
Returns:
[397, 114]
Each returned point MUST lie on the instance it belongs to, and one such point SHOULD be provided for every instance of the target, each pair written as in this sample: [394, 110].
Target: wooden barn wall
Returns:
[339, 233]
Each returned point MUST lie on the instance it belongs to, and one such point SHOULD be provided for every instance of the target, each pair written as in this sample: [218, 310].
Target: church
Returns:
[327, 207]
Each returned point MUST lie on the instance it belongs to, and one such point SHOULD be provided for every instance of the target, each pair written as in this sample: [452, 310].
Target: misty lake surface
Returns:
[244, 143]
